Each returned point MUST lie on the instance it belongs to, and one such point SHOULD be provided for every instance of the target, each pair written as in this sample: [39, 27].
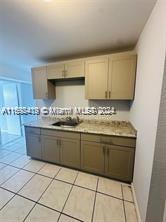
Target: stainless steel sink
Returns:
[68, 122]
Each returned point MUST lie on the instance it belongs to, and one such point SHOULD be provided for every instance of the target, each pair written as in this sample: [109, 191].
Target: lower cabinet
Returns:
[33, 144]
[119, 162]
[108, 156]
[70, 152]
[92, 158]
[50, 149]
[113, 161]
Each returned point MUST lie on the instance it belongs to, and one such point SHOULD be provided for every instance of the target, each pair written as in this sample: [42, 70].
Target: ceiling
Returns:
[33, 32]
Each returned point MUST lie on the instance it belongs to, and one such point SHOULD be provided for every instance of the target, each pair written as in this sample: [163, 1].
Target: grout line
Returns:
[123, 204]
[95, 200]
[69, 194]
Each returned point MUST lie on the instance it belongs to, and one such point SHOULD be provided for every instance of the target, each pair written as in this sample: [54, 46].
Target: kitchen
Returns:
[95, 151]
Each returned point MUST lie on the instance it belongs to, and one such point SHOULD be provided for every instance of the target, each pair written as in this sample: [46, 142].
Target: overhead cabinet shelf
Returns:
[109, 77]
[72, 69]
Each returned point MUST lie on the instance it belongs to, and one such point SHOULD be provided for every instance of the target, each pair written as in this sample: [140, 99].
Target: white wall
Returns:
[145, 108]
[15, 73]
[73, 95]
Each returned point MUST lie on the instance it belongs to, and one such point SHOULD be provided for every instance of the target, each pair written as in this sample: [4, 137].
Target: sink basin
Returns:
[66, 123]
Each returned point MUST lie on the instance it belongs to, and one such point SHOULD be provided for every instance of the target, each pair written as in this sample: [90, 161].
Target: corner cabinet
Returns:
[111, 77]
[42, 87]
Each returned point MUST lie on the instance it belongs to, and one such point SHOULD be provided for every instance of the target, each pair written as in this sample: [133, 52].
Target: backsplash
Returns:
[73, 95]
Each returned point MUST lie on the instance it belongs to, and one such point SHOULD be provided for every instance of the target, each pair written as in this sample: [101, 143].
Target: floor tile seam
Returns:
[35, 203]
[72, 185]
[94, 205]
[123, 204]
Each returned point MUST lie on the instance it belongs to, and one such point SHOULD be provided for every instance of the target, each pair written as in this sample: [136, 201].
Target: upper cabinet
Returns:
[121, 78]
[55, 71]
[111, 77]
[70, 69]
[74, 69]
[42, 87]
[96, 78]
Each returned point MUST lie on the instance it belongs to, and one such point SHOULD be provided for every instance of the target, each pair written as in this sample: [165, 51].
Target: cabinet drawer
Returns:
[58, 133]
[32, 130]
[90, 137]
[121, 141]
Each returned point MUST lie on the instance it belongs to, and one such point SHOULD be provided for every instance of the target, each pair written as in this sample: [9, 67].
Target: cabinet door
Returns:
[96, 74]
[120, 161]
[33, 145]
[70, 152]
[50, 149]
[39, 83]
[42, 88]
[55, 71]
[74, 69]
[122, 68]
[92, 157]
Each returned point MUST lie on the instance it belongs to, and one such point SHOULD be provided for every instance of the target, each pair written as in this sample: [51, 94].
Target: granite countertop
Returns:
[114, 128]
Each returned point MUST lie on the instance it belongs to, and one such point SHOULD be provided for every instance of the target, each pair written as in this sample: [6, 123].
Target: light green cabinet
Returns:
[70, 152]
[107, 156]
[119, 162]
[50, 149]
[92, 158]
[33, 142]
[111, 77]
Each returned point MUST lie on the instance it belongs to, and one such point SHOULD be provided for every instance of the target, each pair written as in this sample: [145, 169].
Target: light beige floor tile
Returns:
[6, 173]
[67, 175]
[9, 158]
[16, 182]
[2, 165]
[42, 214]
[108, 209]
[56, 195]
[34, 165]
[80, 204]
[131, 215]
[64, 218]
[127, 193]
[16, 210]
[5, 196]
[21, 161]
[86, 180]
[35, 187]
[49, 170]
[110, 187]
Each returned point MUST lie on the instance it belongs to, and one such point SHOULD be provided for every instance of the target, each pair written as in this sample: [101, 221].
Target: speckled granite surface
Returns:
[102, 127]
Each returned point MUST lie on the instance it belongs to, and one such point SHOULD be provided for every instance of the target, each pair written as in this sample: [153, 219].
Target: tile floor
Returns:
[35, 191]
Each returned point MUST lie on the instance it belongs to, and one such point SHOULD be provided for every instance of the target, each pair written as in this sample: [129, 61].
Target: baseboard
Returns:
[136, 203]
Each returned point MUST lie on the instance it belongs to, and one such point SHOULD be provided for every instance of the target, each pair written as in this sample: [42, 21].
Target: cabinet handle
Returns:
[106, 94]
[109, 94]
[39, 139]
[108, 151]
[59, 142]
